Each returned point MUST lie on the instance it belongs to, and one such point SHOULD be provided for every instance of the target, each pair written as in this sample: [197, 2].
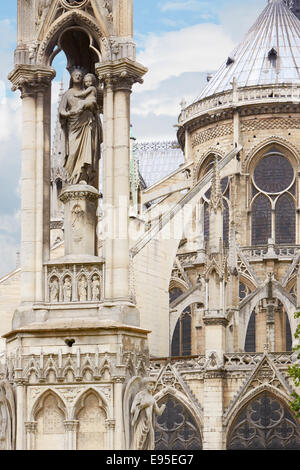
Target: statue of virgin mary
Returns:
[80, 121]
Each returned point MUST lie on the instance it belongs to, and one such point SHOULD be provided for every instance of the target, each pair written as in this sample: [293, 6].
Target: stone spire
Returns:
[58, 147]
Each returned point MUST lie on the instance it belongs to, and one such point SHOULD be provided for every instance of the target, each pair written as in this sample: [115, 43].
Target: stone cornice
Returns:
[31, 79]
[120, 74]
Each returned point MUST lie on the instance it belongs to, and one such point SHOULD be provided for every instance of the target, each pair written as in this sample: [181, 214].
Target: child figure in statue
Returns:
[89, 94]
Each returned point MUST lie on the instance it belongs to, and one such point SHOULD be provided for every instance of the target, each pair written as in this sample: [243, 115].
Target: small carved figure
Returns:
[42, 10]
[82, 289]
[67, 288]
[143, 411]
[54, 290]
[96, 288]
[90, 93]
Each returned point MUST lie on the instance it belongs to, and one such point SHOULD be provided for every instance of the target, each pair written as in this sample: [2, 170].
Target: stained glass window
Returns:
[250, 343]
[261, 220]
[273, 174]
[265, 424]
[182, 337]
[285, 220]
[176, 429]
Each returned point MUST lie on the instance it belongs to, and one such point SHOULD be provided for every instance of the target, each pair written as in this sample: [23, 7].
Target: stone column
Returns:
[118, 407]
[117, 77]
[34, 83]
[110, 425]
[31, 433]
[20, 441]
[71, 427]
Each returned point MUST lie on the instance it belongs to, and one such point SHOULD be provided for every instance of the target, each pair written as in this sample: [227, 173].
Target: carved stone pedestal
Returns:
[80, 203]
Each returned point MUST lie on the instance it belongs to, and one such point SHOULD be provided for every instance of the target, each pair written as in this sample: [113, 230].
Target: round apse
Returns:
[273, 174]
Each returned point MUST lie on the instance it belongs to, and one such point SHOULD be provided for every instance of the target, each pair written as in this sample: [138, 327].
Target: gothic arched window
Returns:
[176, 429]
[264, 424]
[261, 220]
[285, 220]
[273, 189]
[182, 337]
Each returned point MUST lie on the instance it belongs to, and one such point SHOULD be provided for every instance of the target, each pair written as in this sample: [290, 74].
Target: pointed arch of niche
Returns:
[263, 421]
[75, 20]
[91, 412]
[178, 428]
[49, 412]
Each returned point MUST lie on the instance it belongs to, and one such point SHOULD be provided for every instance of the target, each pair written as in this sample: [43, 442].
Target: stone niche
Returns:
[91, 418]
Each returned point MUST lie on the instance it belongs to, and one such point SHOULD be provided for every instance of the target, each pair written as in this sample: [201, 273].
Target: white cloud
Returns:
[10, 121]
[198, 48]
[188, 5]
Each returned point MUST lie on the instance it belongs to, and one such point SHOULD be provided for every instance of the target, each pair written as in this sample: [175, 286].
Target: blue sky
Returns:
[178, 40]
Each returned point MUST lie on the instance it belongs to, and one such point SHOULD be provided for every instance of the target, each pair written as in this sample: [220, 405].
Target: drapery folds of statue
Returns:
[143, 411]
[79, 117]
[7, 416]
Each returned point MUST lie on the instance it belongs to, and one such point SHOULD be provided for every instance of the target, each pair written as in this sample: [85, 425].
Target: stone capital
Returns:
[120, 74]
[118, 379]
[31, 426]
[31, 79]
[79, 191]
[110, 424]
[71, 425]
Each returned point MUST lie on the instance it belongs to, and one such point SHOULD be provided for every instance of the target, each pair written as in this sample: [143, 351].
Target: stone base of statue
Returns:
[80, 207]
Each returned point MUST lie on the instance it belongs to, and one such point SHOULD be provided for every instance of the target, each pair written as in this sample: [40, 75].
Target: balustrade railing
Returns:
[247, 95]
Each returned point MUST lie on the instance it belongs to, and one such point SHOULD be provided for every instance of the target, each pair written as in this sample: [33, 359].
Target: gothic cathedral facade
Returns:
[160, 316]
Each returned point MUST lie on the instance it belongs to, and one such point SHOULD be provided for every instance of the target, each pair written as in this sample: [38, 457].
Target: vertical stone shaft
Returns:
[28, 221]
[119, 430]
[120, 276]
[108, 185]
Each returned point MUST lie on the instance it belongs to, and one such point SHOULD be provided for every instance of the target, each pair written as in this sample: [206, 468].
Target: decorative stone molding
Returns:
[120, 74]
[212, 133]
[70, 194]
[270, 123]
[31, 79]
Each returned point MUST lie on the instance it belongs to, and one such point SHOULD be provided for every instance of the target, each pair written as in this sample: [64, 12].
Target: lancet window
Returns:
[182, 337]
[273, 200]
